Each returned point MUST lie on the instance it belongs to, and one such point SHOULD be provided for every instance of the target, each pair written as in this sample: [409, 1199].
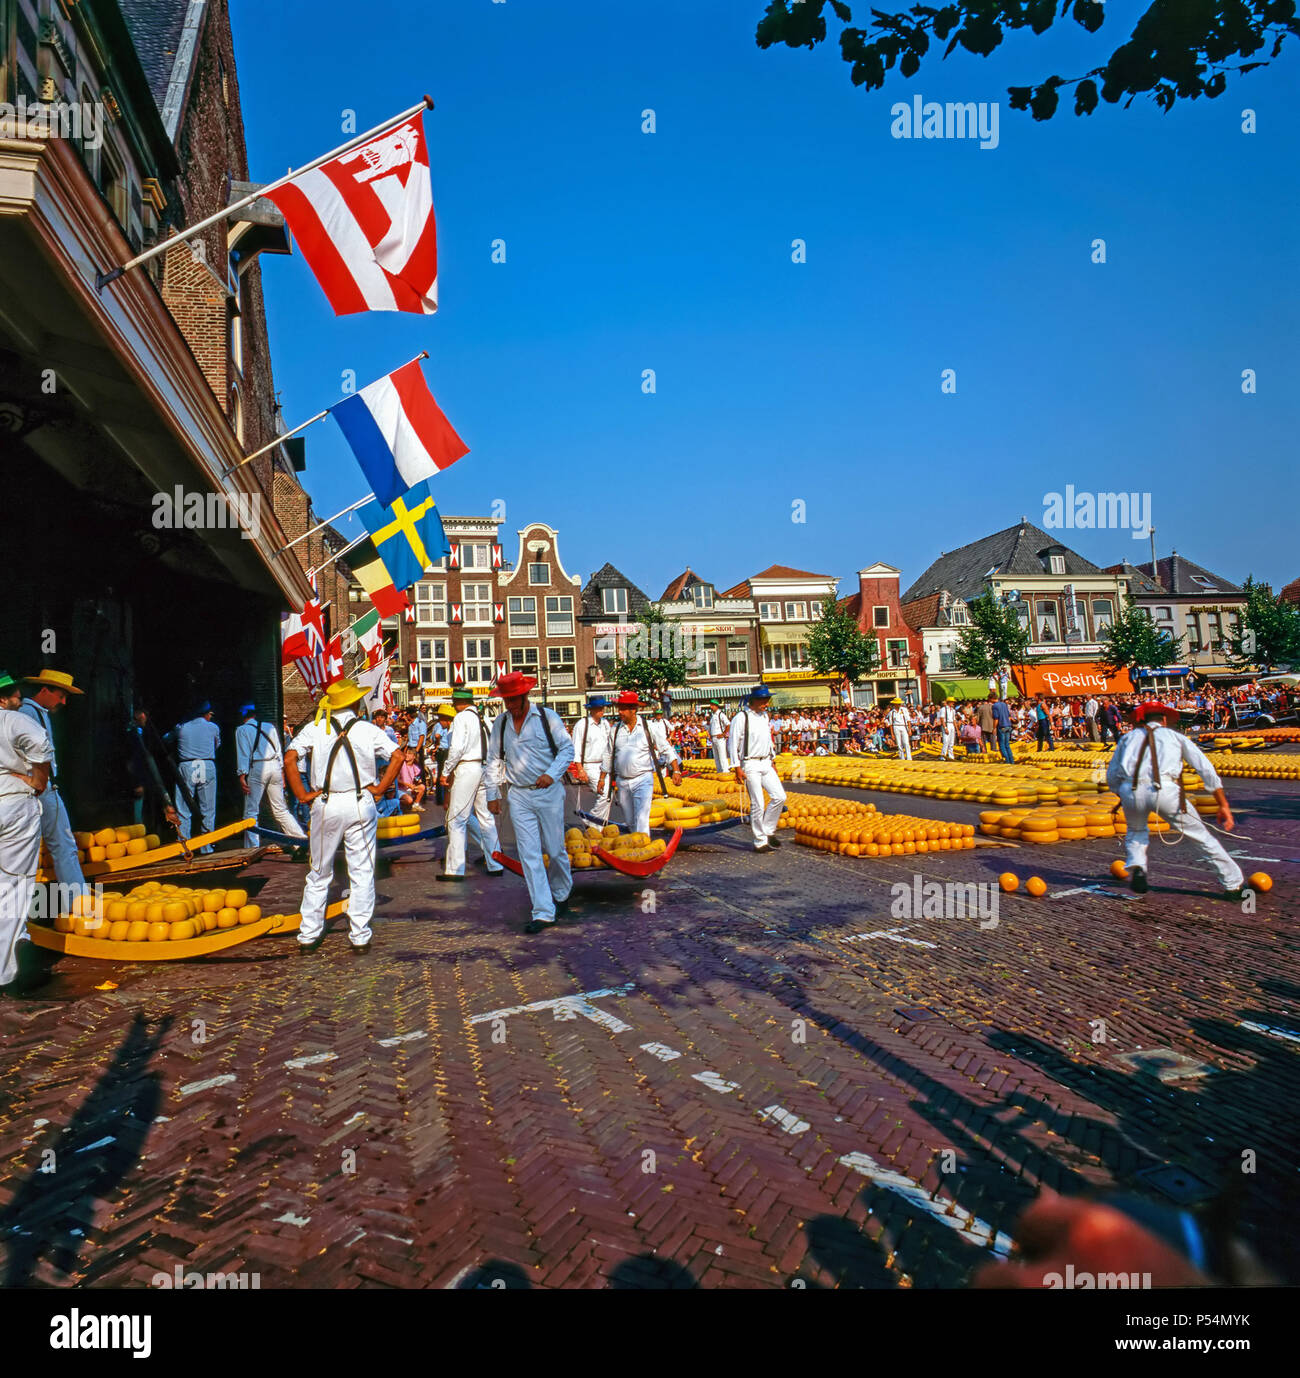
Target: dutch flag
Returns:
[398, 433]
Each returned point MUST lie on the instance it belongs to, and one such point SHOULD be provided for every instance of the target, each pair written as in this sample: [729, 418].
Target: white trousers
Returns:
[720, 757]
[537, 816]
[949, 737]
[760, 776]
[634, 798]
[587, 800]
[57, 833]
[201, 777]
[468, 800]
[267, 778]
[20, 851]
[342, 818]
[903, 744]
[1146, 800]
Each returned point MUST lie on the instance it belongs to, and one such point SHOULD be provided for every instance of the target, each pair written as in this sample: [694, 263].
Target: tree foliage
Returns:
[1178, 49]
[655, 661]
[1270, 631]
[836, 646]
[1133, 640]
[994, 640]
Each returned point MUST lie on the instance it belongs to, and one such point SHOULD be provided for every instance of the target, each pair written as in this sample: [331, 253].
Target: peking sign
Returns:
[1077, 677]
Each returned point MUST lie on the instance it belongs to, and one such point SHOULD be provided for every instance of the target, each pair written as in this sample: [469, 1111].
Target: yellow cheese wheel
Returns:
[179, 932]
[117, 931]
[236, 899]
[208, 920]
[174, 911]
[104, 836]
[63, 923]
[115, 851]
[136, 830]
[1073, 834]
[250, 913]
[152, 841]
[97, 854]
[137, 911]
[227, 918]
[121, 834]
[83, 840]
[1042, 837]
[214, 900]
[137, 932]
[115, 910]
[154, 913]
[136, 846]
[158, 932]
[88, 926]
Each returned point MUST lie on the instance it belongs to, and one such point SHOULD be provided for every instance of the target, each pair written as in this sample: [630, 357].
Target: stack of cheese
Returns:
[885, 835]
[579, 843]
[156, 913]
[109, 844]
[400, 825]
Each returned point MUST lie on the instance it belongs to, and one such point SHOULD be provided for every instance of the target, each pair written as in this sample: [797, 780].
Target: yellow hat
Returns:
[54, 679]
[343, 693]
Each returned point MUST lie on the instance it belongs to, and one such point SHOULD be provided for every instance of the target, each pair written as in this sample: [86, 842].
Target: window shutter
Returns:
[409, 613]
[458, 672]
[457, 612]
[413, 674]
[496, 556]
[498, 612]
[453, 556]
[501, 668]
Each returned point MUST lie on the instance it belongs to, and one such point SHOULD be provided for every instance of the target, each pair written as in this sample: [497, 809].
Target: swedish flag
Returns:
[408, 535]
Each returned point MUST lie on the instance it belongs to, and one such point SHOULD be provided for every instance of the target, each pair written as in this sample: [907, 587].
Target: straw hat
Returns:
[53, 679]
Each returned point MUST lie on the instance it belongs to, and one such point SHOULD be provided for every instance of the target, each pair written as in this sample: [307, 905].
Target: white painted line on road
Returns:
[566, 1006]
[360, 1115]
[289, 1218]
[402, 1038]
[660, 1050]
[1086, 890]
[944, 1210]
[716, 1083]
[1268, 1029]
[893, 935]
[191, 1087]
[311, 1060]
[783, 1118]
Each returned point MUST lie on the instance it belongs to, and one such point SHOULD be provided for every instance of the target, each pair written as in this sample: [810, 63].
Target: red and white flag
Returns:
[334, 659]
[364, 222]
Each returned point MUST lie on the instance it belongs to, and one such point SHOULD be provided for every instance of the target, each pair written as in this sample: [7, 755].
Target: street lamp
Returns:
[542, 675]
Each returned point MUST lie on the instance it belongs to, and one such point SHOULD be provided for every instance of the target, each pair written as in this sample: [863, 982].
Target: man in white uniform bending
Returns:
[344, 795]
[1146, 771]
[590, 743]
[529, 750]
[752, 751]
[465, 769]
[259, 764]
[25, 756]
[719, 727]
[635, 755]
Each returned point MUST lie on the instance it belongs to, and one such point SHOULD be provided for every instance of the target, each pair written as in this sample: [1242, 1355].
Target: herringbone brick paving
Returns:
[331, 1121]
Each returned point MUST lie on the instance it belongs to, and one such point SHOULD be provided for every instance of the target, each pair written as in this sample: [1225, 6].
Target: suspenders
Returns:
[613, 756]
[352, 759]
[546, 728]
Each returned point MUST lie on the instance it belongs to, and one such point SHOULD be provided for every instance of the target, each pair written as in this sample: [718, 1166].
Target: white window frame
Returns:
[1056, 564]
[433, 662]
[611, 598]
[738, 655]
[702, 597]
[524, 658]
[484, 667]
[430, 597]
[896, 652]
[1051, 609]
[481, 605]
[475, 555]
[523, 600]
[560, 622]
[1101, 620]
[800, 616]
[539, 583]
[562, 661]
[769, 615]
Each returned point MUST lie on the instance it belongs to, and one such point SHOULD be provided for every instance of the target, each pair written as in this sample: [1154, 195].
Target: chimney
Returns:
[1155, 568]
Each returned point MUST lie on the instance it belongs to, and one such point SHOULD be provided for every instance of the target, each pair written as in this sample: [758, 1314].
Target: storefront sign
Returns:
[785, 676]
[1078, 677]
[712, 629]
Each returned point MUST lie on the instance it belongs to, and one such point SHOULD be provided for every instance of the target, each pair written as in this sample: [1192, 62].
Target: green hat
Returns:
[462, 696]
[7, 681]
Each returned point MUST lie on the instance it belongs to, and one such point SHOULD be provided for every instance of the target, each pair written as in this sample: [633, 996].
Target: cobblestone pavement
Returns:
[751, 1073]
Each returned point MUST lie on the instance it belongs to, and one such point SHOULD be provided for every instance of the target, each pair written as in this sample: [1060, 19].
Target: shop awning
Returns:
[806, 696]
[784, 636]
[959, 689]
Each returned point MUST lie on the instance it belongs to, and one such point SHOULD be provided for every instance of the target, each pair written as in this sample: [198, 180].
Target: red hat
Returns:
[512, 685]
[629, 698]
[1153, 708]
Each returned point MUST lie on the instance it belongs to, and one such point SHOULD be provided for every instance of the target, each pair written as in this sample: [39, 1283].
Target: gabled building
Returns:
[608, 611]
[938, 620]
[1185, 599]
[718, 636]
[1063, 598]
[788, 603]
[878, 612]
[541, 627]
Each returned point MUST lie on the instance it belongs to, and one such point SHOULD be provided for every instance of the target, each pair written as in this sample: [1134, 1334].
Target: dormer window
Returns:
[703, 595]
[1056, 564]
[1202, 582]
[614, 601]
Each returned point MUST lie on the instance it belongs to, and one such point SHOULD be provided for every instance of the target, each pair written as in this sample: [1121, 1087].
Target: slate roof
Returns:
[1008, 552]
[156, 27]
[607, 577]
[1139, 584]
[1175, 574]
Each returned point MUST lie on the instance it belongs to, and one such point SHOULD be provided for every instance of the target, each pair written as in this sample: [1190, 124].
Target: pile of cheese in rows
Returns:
[578, 842]
[110, 844]
[156, 913]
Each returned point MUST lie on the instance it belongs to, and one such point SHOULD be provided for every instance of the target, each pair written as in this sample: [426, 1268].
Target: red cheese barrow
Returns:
[704, 830]
[637, 869]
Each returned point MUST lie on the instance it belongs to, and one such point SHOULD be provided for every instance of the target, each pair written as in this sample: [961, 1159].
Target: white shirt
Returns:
[41, 717]
[466, 739]
[249, 747]
[23, 745]
[590, 742]
[527, 753]
[948, 716]
[629, 753]
[197, 740]
[718, 724]
[760, 737]
[1172, 749]
[369, 744]
[1090, 708]
[898, 717]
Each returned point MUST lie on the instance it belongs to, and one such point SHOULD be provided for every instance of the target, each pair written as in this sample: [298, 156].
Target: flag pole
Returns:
[320, 416]
[103, 279]
[343, 552]
[369, 497]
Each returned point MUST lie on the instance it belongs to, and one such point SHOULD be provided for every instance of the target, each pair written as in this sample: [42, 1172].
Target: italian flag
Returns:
[370, 640]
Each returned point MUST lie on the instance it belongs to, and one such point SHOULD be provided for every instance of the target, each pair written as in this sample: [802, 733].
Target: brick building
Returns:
[112, 400]
[788, 602]
[878, 612]
[720, 638]
[608, 611]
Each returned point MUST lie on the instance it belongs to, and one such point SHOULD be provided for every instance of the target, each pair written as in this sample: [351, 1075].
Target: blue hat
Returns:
[761, 692]
[204, 707]
[600, 701]
[246, 708]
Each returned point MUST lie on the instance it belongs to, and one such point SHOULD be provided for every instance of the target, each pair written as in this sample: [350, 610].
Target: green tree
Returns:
[1177, 50]
[836, 646]
[1133, 641]
[655, 661]
[1270, 631]
[993, 640]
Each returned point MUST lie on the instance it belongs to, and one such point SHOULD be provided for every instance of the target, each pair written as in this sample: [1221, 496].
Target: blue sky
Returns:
[818, 381]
